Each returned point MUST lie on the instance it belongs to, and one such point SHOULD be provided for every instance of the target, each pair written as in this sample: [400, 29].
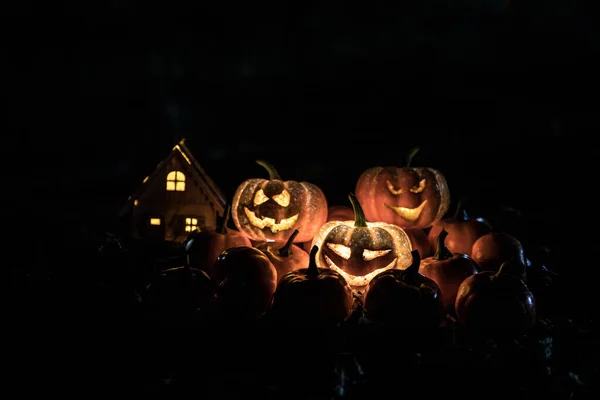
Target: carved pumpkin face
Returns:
[270, 209]
[407, 197]
[359, 250]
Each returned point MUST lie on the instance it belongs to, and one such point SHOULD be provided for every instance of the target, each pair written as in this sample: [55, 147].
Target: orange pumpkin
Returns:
[496, 303]
[420, 241]
[410, 197]
[246, 280]
[493, 249]
[462, 230]
[340, 212]
[312, 296]
[270, 209]
[203, 246]
[404, 298]
[359, 250]
[448, 269]
[286, 257]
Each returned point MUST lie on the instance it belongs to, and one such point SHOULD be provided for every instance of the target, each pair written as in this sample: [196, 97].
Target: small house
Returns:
[176, 198]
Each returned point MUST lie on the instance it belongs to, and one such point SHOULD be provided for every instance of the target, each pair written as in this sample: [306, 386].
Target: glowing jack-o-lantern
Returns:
[359, 250]
[410, 197]
[270, 209]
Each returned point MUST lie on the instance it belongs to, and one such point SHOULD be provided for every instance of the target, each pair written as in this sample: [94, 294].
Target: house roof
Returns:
[214, 192]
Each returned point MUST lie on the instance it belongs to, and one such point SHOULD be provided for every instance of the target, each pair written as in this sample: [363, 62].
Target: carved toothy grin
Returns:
[270, 223]
[409, 214]
[354, 280]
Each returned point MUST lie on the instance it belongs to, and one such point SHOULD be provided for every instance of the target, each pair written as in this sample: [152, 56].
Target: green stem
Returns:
[413, 269]
[273, 174]
[442, 252]
[359, 216]
[286, 250]
[313, 270]
[411, 154]
[222, 222]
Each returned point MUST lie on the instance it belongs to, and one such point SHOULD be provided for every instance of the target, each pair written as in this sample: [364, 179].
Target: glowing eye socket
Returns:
[340, 250]
[260, 197]
[283, 198]
[418, 189]
[393, 190]
[369, 255]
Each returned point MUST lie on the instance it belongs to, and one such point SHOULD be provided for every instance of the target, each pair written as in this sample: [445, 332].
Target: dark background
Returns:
[496, 94]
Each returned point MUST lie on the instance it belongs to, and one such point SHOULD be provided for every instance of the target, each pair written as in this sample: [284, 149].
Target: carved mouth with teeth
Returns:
[270, 223]
[409, 214]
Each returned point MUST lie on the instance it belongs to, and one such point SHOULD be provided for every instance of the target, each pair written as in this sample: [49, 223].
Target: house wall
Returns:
[173, 206]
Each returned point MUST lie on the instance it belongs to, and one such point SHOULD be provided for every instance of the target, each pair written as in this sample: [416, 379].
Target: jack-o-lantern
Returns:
[410, 197]
[359, 250]
[270, 209]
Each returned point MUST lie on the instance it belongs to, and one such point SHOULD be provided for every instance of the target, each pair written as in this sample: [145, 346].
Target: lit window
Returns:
[176, 181]
[154, 221]
[191, 224]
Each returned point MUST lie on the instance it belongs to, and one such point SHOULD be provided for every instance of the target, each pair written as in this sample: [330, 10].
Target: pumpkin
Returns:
[491, 250]
[359, 250]
[462, 231]
[404, 298]
[286, 257]
[448, 270]
[203, 246]
[246, 280]
[419, 241]
[312, 296]
[495, 303]
[339, 212]
[410, 197]
[270, 209]
[178, 297]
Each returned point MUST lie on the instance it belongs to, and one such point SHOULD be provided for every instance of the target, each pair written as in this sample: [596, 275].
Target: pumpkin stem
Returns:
[223, 220]
[313, 270]
[286, 250]
[413, 268]
[411, 154]
[359, 216]
[273, 174]
[506, 266]
[442, 252]
[461, 214]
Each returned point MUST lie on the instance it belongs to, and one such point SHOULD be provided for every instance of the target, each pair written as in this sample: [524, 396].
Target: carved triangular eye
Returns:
[418, 188]
[260, 197]
[392, 189]
[369, 255]
[340, 250]
[283, 198]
